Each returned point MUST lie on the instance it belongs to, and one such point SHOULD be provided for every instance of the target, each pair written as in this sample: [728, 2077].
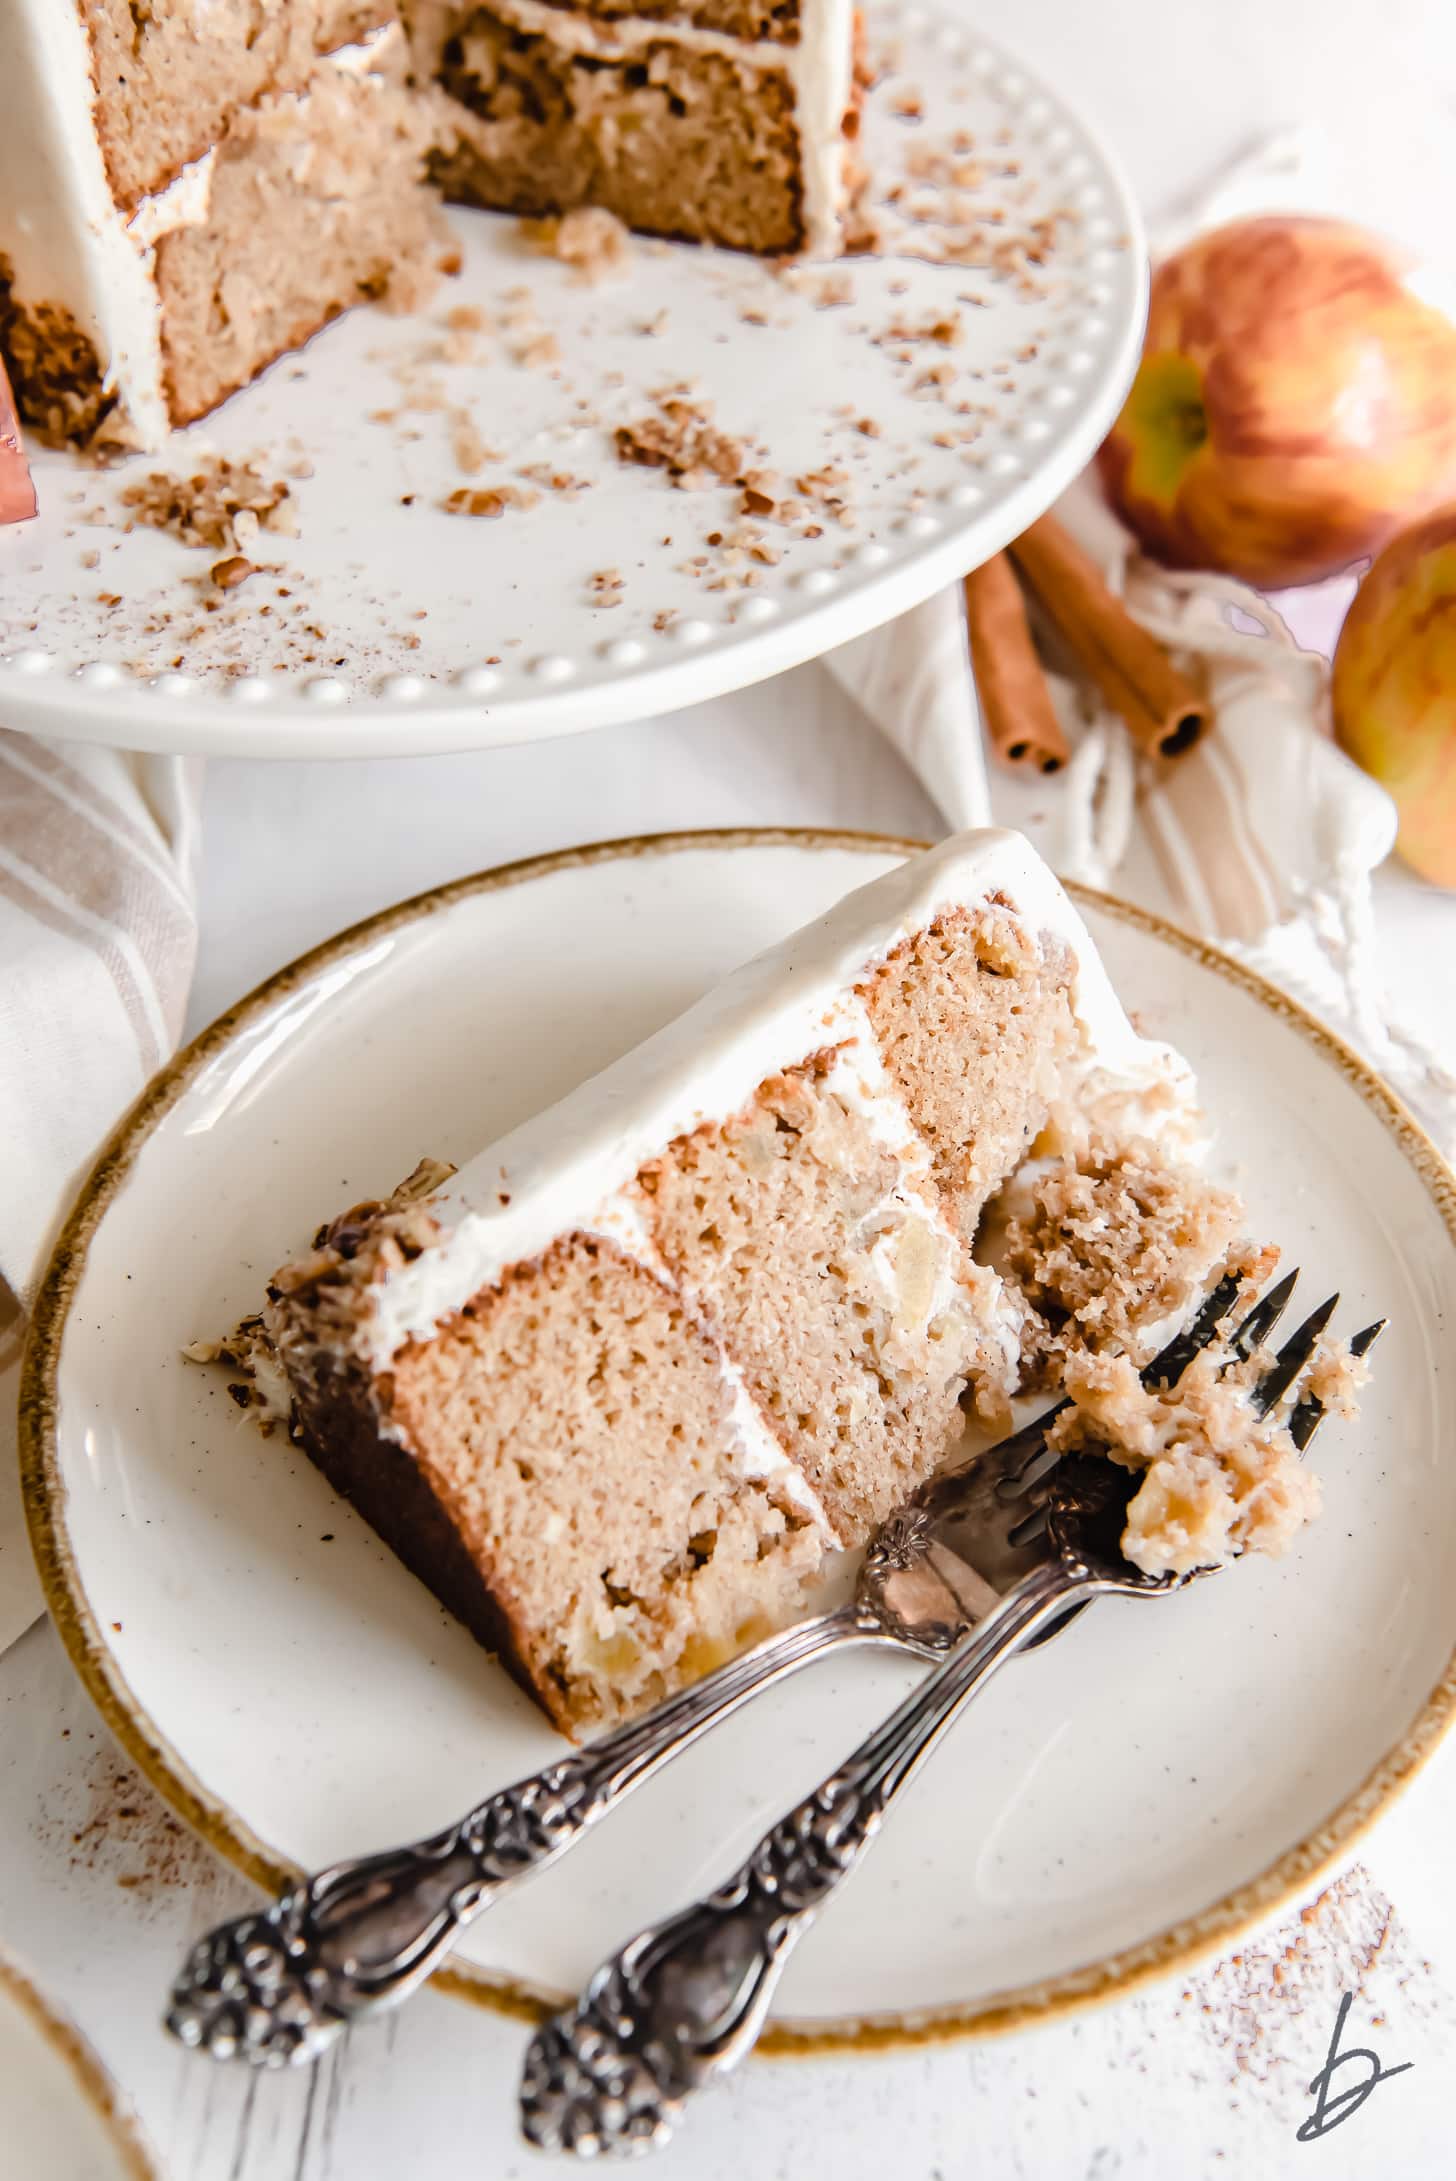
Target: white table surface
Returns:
[101, 1889]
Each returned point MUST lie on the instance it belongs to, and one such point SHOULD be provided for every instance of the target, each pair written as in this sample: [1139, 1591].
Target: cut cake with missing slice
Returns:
[615, 1389]
[187, 192]
[181, 201]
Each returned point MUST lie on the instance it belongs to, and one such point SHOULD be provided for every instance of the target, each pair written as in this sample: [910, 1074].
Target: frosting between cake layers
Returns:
[760, 1454]
[184, 202]
[562, 1171]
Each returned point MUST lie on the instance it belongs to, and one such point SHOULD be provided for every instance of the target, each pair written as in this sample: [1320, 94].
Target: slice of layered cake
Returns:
[187, 192]
[615, 1388]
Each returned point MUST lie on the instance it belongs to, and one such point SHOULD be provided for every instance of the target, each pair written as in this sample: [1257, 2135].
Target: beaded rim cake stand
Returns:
[917, 406]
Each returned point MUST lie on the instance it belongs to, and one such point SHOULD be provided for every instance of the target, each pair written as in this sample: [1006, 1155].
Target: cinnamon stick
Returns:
[1165, 714]
[1015, 700]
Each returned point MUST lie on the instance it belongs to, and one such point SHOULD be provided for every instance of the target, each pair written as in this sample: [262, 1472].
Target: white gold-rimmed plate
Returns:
[62, 2115]
[390, 626]
[1124, 1798]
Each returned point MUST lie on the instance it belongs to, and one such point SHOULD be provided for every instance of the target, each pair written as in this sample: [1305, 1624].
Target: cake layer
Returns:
[578, 1409]
[972, 1017]
[169, 75]
[313, 202]
[701, 145]
[55, 372]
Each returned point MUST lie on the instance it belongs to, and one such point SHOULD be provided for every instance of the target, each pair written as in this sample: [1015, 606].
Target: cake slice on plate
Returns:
[615, 1388]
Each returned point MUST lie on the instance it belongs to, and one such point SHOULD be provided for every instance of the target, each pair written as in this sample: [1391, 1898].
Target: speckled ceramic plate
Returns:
[1135, 1792]
[957, 398]
[61, 2116]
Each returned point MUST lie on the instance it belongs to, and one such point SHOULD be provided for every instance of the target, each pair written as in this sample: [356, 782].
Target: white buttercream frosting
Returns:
[759, 1454]
[185, 202]
[820, 68]
[566, 1169]
[66, 240]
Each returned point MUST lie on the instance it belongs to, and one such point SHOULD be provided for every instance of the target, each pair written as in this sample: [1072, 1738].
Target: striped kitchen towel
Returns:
[98, 937]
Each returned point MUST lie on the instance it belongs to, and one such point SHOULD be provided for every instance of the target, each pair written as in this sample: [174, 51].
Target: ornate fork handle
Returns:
[684, 2001]
[278, 1985]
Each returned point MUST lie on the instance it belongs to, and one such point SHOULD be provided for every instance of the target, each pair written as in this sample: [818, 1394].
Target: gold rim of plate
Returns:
[86, 2070]
[1112, 1975]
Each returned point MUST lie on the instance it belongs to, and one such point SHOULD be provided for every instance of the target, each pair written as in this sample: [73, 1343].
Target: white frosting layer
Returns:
[820, 69]
[185, 202]
[817, 68]
[759, 1452]
[64, 236]
[562, 1171]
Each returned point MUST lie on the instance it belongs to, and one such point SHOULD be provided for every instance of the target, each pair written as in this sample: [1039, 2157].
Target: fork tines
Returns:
[1309, 1413]
[1292, 1360]
[1168, 1366]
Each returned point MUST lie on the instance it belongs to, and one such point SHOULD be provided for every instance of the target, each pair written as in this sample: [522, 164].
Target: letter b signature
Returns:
[1331, 2106]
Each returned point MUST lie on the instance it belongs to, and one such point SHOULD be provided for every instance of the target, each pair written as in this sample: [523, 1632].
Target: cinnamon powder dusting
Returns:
[1267, 2011]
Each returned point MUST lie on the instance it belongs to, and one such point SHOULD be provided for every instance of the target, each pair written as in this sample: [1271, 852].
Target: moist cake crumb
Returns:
[228, 574]
[488, 503]
[589, 238]
[1108, 1245]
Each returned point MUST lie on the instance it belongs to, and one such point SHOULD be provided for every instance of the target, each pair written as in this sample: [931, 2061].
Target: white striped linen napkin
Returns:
[98, 937]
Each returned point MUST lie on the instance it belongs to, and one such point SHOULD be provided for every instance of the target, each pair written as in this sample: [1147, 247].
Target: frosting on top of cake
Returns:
[564, 1169]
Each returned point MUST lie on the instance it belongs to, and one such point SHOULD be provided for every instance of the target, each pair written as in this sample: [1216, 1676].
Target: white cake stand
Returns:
[958, 378]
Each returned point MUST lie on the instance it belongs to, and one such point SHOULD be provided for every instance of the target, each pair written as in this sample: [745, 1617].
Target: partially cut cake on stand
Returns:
[188, 192]
[615, 1388]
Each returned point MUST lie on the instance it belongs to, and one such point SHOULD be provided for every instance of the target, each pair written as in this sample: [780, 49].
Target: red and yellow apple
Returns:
[1394, 688]
[1295, 403]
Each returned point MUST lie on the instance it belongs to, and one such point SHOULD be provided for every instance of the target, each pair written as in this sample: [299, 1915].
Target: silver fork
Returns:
[683, 2002]
[279, 1984]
